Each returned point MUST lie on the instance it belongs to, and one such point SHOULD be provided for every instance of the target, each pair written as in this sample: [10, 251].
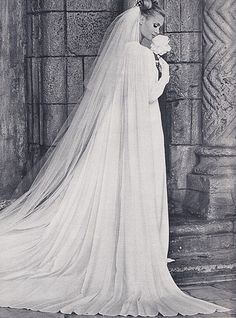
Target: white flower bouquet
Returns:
[160, 44]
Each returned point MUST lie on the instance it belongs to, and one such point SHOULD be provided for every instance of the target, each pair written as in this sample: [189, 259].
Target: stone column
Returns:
[13, 126]
[212, 185]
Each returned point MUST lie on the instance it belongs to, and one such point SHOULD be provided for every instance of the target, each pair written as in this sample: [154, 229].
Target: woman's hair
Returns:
[150, 8]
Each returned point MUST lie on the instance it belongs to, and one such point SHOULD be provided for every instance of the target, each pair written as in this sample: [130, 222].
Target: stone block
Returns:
[173, 21]
[211, 184]
[74, 78]
[196, 130]
[30, 123]
[174, 54]
[34, 153]
[45, 5]
[53, 118]
[200, 244]
[36, 80]
[190, 226]
[29, 88]
[185, 81]
[52, 34]
[35, 122]
[191, 47]
[54, 80]
[211, 206]
[181, 122]
[205, 267]
[48, 34]
[36, 36]
[191, 15]
[175, 201]
[182, 161]
[182, 245]
[85, 31]
[94, 5]
[29, 34]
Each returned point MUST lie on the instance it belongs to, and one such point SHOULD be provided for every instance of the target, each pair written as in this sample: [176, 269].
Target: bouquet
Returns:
[160, 46]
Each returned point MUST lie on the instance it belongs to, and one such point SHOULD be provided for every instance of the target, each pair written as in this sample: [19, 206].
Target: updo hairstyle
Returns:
[150, 8]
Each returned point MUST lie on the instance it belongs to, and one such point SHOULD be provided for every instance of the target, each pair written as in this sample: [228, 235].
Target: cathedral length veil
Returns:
[72, 242]
[46, 176]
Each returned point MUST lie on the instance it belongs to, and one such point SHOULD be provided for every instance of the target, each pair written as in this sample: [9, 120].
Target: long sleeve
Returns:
[142, 73]
[158, 88]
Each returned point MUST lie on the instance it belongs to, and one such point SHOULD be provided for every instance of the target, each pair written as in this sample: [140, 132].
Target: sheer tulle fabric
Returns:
[91, 234]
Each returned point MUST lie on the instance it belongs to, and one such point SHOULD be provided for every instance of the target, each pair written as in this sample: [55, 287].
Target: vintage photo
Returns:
[117, 158]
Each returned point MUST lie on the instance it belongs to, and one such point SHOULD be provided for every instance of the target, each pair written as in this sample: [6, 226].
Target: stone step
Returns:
[193, 236]
[212, 267]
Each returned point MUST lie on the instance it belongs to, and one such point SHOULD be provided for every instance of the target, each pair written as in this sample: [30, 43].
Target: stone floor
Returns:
[223, 294]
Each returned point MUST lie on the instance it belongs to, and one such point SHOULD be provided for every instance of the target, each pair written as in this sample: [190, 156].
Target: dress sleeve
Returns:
[158, 85]
[142, 73]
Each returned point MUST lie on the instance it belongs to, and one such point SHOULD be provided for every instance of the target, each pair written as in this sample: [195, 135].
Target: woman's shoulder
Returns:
[134, 47]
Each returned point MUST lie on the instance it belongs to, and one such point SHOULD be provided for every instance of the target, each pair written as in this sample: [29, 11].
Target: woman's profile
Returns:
[90, 235]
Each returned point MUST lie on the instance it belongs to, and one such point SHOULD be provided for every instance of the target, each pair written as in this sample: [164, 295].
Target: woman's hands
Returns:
[164, 68]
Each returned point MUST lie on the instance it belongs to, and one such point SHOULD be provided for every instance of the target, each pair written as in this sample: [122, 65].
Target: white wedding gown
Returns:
[99, 243]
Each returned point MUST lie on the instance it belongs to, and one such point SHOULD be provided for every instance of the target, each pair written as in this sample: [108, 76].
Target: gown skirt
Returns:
[99, 244]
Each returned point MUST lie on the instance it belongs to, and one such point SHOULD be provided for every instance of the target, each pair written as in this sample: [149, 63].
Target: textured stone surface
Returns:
[54, 80]
[85, 31]
[186, 225]
[47, 34]
[219, 94]
[22, 313]
[33, 44]
[52, 34]
[204, 267]
[44, 5]
[191, 47]
[175, 54]
[212, 184]
[211, 196]
[53, 118]
[173, 21]
[94, 5]
[185, 47]
[196, 129]
[191, 13]
[74, 78]
[181, 122]
[185, 81]
[182, 245]
[182, 160]
[13, 141]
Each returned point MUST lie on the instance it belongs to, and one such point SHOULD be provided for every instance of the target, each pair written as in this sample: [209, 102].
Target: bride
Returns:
[90, 235]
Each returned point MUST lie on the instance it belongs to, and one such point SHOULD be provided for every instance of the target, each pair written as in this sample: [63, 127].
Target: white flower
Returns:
[160, 44]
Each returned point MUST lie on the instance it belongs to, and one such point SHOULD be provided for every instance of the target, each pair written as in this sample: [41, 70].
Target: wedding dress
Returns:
[91, 234]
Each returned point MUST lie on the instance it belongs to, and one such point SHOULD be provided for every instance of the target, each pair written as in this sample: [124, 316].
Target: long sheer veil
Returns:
[44, 178]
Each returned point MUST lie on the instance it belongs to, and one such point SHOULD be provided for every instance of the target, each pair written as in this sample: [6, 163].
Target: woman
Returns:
[91, 234]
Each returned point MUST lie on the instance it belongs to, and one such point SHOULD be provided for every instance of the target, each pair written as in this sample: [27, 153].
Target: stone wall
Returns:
[182, 109]
[63, 39]
[13, 128]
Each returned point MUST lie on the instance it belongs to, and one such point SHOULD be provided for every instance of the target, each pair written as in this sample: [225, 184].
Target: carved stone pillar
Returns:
[212, 185]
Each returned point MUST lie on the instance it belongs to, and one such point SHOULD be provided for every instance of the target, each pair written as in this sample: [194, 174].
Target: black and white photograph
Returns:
[117, 158]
